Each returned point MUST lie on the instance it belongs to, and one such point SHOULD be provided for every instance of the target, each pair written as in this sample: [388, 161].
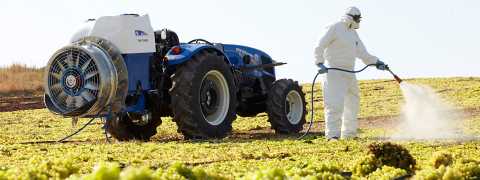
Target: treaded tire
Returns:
[185, 92]
[277, 107]
[123, 129]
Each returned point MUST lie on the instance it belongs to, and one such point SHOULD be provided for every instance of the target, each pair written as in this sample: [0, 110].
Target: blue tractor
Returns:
[119, 69]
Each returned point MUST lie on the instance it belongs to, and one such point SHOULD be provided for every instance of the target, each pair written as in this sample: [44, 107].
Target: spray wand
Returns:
[344, 70]
[394, 75]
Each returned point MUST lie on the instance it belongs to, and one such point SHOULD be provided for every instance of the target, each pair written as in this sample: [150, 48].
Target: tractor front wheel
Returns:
[204, 97]
[286, 107]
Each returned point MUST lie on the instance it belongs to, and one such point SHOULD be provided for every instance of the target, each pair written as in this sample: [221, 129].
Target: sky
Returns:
[428, 38]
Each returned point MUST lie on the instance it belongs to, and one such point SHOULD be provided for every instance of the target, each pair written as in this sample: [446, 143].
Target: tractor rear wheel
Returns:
[286, 107]
[123, 128]
[204, 97]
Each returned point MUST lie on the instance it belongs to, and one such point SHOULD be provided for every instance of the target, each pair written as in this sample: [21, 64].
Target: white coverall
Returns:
[339, 47]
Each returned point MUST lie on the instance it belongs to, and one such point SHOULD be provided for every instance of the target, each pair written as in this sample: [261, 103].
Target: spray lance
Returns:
[344, 70]
[394, 75]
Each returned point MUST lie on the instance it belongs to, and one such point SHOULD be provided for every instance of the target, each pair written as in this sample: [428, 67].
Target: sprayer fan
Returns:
[86, 78]
[73, 79]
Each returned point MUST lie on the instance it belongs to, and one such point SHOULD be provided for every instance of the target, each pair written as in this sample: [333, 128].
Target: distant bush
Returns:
[18, 79]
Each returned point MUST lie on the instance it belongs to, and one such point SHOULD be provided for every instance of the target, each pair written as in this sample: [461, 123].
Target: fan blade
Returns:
[85, 65]
[91, 86]
[77, 61]
[87, 96]
[91, 74]
[79, 102]
[70, 59]
[70, 101]
[61, 65]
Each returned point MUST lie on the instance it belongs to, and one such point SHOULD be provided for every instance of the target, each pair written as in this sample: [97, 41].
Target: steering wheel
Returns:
[200, 41]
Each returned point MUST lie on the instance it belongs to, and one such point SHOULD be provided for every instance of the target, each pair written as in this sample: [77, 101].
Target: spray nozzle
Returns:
[397, 78]
[394, 75]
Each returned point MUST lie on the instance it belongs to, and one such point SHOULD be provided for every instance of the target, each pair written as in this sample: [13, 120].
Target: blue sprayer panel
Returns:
[138, 66]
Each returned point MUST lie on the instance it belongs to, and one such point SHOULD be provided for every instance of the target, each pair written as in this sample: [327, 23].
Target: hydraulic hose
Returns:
[312, 93]
[77, 131]
[312, 111]
[353, 71]
[83, 127]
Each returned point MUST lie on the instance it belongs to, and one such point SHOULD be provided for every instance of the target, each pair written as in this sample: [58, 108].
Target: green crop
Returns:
[253, 151]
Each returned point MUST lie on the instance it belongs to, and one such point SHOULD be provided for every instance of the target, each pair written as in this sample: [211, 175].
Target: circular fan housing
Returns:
[84, 78]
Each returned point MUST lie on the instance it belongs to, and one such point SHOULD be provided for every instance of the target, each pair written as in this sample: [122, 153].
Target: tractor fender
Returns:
[188, 50]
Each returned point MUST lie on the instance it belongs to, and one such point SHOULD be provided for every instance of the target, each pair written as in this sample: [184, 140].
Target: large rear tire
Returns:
[286, 107]
[124, 129]
[204, 97]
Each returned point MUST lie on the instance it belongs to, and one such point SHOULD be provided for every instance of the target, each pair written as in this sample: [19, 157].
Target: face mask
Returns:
[356, 21]
[355, 25]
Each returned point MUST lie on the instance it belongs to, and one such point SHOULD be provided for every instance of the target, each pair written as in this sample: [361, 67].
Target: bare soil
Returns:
[21, 103]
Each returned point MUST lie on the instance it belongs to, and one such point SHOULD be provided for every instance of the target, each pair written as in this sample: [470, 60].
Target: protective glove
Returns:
[323, 69]
[381, 65]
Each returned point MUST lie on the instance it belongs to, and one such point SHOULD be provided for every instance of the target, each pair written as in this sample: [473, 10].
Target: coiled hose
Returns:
[312, 93]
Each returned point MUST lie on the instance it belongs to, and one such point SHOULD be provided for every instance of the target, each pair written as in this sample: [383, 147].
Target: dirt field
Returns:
[21, 103]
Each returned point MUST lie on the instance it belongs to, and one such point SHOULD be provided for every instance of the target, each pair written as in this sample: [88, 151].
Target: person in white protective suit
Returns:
[339, 47]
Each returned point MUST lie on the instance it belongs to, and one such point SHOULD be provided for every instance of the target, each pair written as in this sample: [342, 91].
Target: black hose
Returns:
[311, 117]
[312, 93]
[349, 71]
[76, 132]
[83, 127]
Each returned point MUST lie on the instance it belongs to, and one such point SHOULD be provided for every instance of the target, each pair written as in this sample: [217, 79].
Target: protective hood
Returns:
[351, 24]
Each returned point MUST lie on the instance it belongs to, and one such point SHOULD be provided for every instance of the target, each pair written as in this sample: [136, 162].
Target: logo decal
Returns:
[140, 36]
[140, 33]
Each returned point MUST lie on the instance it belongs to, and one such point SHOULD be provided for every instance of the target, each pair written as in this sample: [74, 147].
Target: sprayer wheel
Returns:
[123, 129]
[204, 98]
[286, 107]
